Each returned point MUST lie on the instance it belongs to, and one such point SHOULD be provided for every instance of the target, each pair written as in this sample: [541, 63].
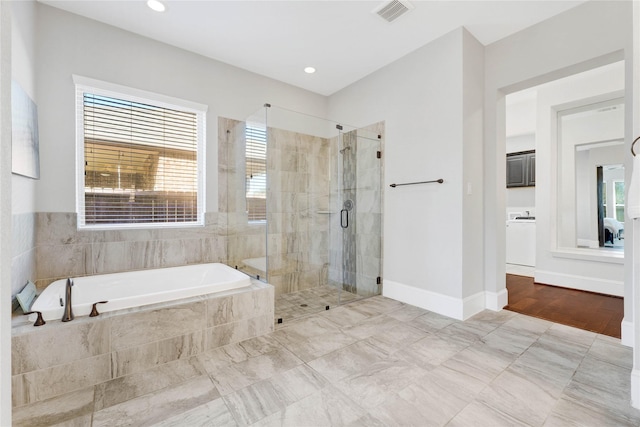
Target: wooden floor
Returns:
[584, 310]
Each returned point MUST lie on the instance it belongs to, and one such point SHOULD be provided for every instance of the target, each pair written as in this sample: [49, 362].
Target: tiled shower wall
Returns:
[297, 206]
[245, 240]
[23, 263]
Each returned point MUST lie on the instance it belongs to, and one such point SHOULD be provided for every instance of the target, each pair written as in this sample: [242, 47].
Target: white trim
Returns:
[627, 333]
[456, 308]
[635, 388]
[473, 305]
[98, 87]
[596, 255]
[141, 95]
[583, 283]
[496, 301]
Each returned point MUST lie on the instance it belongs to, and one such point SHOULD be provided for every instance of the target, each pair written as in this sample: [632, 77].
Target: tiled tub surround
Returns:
[67, 359]
[23, 262]
[64, 251]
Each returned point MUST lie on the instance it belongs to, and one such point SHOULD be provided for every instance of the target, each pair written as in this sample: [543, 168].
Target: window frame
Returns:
[253, 130]
[616, 202]
[97, 87]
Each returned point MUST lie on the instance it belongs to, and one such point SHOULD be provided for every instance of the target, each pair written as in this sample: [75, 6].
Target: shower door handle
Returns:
[344, 218]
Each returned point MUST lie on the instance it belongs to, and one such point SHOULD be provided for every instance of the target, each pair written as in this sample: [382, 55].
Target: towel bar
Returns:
[439, 181]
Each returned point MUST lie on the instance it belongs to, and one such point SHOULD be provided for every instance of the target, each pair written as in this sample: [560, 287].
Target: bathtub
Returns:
[138, 288]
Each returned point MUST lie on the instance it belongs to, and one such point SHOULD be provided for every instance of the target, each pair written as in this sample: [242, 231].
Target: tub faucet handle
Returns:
[94, 310]
[39, 321]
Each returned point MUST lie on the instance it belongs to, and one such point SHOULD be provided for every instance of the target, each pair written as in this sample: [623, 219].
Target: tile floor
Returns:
[376, 362]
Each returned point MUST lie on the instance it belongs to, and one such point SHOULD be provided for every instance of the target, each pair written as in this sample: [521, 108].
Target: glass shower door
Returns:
[356, 230]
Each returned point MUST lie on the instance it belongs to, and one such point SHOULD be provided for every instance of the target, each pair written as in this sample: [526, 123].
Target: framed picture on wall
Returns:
[25, 149]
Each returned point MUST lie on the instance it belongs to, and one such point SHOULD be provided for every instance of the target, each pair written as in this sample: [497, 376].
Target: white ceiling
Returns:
[343, 40]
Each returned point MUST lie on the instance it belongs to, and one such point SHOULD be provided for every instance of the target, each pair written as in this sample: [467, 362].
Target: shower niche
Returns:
[303, 205]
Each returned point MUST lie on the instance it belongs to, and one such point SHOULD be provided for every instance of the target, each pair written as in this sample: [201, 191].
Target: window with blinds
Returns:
[256, 172]
[142, 162]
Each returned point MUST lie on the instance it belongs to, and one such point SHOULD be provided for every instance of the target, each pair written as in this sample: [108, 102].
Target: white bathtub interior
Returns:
[138, 288]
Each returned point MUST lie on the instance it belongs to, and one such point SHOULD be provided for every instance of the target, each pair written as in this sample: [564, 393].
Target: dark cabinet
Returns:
[521, 169]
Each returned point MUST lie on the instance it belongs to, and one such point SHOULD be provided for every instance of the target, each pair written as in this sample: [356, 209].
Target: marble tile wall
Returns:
[62, 250]
[23, 262]
[296, 232]
[297, 206]
[107, 351]
[245, 240]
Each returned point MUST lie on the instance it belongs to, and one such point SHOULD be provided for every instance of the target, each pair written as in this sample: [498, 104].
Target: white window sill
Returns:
[597, 255]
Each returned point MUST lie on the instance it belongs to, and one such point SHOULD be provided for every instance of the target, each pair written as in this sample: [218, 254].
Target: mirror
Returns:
[591, 176]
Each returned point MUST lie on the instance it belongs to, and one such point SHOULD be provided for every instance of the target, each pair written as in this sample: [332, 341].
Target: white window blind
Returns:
[142, 162]
[256, 172]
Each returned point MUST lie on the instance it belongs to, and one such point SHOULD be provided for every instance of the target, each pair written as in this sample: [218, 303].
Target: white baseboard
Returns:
[496, 301]
[456, 308]
[635, 388]
[627, 336]
[583, 283]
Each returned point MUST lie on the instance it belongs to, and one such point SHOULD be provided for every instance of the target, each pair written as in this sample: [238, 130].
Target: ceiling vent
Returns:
[391, 10]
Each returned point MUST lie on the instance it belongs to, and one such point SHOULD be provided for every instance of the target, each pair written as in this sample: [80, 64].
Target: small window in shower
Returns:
[256, 173]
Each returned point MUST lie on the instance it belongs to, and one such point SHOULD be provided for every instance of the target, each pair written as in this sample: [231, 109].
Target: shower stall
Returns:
[303, 206]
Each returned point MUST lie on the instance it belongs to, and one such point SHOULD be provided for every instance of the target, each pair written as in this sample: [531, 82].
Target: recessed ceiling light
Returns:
[309, 70]
[156, 5]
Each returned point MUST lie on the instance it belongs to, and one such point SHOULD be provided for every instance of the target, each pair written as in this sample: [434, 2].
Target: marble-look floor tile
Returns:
[431, 322]
[378, 382]
[238, 352]
[570, 413]
[478, 361]
[519, 397]
[407, 313]
[529, 324]
[318, 340]
[605, 386]
[396, 338]
[367, 421]
[255, 402]
[131, 386]
[155, 407]
[351, 360]
[466, 333]
[252, 370]
[371, 326]
[213, 413]
[297, 383]
[343, 316]
[431, 351]
[495, 318]
[57, 410]
[571, 334]
[477, 414]
[509, 341]
[327, 407]
[611, 352]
